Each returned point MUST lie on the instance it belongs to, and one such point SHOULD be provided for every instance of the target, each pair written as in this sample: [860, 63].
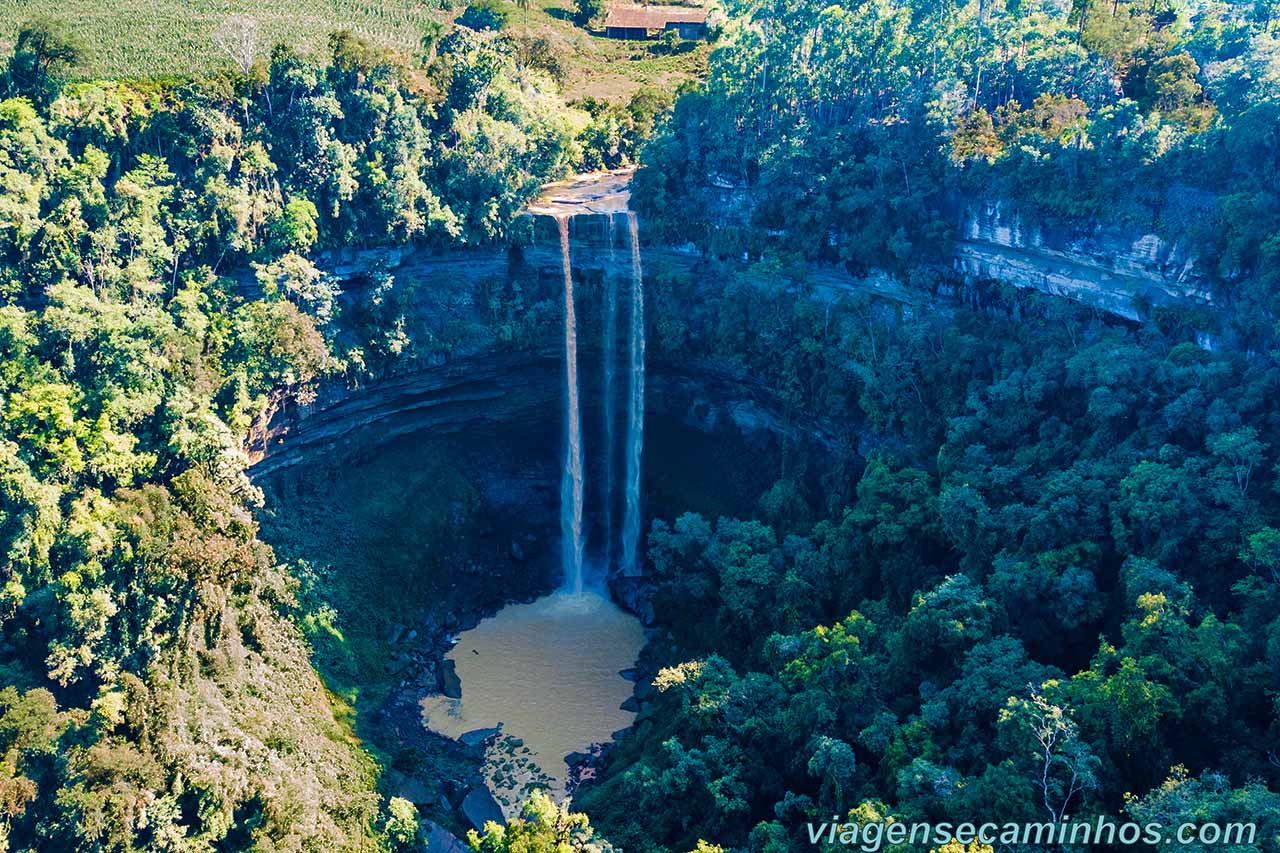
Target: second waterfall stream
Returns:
[635, 408]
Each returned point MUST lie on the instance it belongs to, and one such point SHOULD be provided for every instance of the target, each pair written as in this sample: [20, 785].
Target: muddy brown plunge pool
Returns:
[547, 674]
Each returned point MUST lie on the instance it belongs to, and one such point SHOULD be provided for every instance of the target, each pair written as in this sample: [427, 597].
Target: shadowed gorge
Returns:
[416, 510]
[427, 560]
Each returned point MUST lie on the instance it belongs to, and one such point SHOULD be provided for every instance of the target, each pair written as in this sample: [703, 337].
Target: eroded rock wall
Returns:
[1117, 271]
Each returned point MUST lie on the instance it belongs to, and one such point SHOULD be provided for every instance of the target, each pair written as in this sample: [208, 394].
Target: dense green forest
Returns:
[1040, 577]
[852, 128]
[156, 295]
[1048, 523]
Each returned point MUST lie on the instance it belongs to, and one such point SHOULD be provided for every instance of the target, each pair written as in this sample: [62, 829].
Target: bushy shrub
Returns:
[588, 11]
[485, 15]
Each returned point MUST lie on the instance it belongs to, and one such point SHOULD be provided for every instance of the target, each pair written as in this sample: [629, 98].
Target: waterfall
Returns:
[571, 481]
[621, 560]
[608, 357]
[635, 408]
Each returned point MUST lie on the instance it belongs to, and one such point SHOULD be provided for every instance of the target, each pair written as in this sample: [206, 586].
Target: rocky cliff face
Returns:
[1116, 271]
[522, 390]
[496, 387]
[1120, 271]
[484, 381]
[711, 399]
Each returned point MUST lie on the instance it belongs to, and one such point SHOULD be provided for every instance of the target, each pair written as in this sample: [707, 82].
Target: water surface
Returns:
[548, 672]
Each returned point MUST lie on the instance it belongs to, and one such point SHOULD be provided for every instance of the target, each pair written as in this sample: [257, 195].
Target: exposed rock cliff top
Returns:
[1113, 269]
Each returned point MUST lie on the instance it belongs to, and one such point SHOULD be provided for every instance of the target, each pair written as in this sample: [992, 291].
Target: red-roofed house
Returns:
[642, 22]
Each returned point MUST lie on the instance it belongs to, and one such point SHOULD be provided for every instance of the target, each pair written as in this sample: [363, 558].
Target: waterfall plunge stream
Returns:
[609, 345]
[571, 483]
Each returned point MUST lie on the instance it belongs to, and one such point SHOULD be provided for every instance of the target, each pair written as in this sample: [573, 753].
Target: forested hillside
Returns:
[846, 131]
[1041, 579]
[154, 295]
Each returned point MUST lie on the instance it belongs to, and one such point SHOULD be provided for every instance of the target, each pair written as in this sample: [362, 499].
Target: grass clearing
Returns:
[605, 68]
[161, 38]
[130, 39]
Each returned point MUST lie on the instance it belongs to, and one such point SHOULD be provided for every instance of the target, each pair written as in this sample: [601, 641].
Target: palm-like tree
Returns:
[524, 5]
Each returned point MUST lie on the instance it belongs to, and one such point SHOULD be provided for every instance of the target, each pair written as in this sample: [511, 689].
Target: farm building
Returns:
[642, 22]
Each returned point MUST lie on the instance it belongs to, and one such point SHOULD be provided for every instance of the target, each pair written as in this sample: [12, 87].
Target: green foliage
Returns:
[1206, 799]
[544, 826]
[485, 15]
[296, 230]
[841, 133]
[1044, 551]
[157, 305]
[1048, 587]
[42, 56]
[588, 11]
[616, 132]
[401, 828]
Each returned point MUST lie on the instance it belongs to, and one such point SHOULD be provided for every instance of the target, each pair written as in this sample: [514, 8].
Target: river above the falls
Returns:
[547, 673]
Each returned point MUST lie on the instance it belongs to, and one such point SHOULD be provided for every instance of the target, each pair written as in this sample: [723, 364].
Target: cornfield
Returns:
[143, 38]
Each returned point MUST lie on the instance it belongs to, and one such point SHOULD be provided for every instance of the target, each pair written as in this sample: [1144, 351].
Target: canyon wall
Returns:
[1122, 271]
[495, 387]
[1118, 271]
[485, 381]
